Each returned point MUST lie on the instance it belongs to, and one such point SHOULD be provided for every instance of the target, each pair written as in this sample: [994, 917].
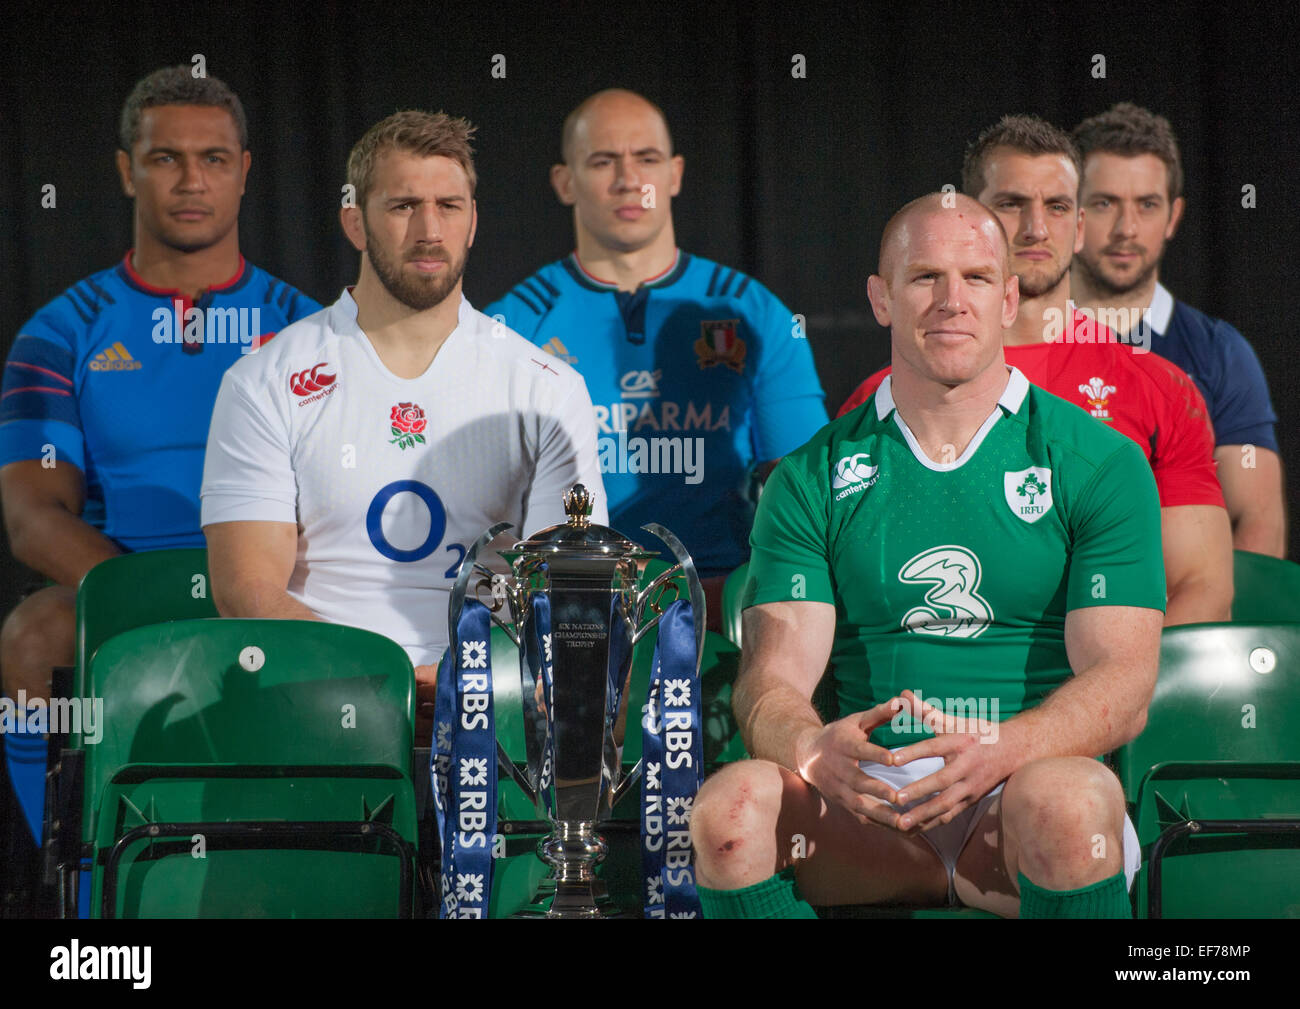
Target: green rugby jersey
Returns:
[953, 579]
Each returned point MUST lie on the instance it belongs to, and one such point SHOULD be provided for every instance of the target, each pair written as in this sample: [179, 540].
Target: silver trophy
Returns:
[590, 575]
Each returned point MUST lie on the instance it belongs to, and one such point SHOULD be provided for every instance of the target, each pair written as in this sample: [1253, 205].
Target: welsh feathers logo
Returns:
[304, 383]
[852, 469]
[719, 344]
[407, 423]
[1098, 393]
[1029, 492]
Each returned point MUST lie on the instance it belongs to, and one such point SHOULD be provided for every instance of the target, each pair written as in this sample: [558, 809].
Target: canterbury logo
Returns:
[304, 383]
[852, 469]
[116, 358]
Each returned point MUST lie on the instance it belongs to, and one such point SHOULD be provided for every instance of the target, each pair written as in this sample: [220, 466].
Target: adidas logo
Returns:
[116, 358]
[556, 348]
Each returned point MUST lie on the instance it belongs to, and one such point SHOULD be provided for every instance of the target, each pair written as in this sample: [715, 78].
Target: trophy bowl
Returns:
[573, 608]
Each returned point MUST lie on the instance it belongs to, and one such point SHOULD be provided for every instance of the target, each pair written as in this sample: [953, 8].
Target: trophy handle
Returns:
[459, 590]
[467, 567]
[516, 775]
[686, 566]
[625, 785]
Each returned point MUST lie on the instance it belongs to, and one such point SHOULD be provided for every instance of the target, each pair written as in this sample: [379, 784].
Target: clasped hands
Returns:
[828, 760]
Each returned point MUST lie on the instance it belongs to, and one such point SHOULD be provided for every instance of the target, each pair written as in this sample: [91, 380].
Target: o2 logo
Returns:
[437, 525]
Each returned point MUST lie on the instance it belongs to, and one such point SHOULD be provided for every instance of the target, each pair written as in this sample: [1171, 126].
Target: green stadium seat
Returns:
[1213, 780]
[1265, 590]
[249, 768]
[135, 590]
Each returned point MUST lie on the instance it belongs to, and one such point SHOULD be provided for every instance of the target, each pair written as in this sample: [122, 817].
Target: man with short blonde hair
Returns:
[353, 462]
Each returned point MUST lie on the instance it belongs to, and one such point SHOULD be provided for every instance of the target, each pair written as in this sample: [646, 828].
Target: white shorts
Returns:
[948, 839]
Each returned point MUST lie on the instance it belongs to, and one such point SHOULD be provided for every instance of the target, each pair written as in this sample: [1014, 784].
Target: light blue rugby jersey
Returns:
[696, 376]
[104, 378]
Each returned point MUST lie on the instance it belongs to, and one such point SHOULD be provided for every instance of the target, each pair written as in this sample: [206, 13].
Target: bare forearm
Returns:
[258, 598]
[1199, 600]
[774, 718]
[60, 545]
[1261, 531]
[1085, 716]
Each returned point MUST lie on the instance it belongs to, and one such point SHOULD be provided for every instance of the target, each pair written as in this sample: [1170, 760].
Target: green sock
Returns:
[775, 897]
[1107, 899]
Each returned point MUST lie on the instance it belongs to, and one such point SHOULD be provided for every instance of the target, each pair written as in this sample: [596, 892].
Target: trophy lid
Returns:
[579, 536]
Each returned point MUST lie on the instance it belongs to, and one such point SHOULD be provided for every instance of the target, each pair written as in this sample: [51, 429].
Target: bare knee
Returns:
[1064, 821]
[733, 824]
[36, 636]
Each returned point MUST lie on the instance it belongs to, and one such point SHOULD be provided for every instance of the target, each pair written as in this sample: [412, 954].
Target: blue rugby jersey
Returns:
[696, 376]
[1221, 363]
[119, 377]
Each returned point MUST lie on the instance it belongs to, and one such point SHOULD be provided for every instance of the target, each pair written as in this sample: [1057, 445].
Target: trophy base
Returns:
[573, 890]
[582, 900]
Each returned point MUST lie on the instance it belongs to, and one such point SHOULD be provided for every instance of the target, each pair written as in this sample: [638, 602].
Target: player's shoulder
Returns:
[1157, 370]
[1201, 333]
[534, 296]
[278, 295]
[719, 282]
[848, 434]
[512, 354]
[1071, 436]
[1170, 389]
[76, 309]
[300, 345]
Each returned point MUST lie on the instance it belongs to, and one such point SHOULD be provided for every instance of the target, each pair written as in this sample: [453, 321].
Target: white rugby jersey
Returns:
[390, 480]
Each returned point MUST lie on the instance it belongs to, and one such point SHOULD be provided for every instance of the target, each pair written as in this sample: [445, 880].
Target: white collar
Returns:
[1012, 397]
[1160, 311]
[348, 305]
[347, 321]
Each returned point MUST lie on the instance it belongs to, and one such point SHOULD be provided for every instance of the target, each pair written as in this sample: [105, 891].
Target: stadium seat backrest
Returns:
[216, 722]
[1224, 692]
[138, 589]
[249, 692]
[1265, 589]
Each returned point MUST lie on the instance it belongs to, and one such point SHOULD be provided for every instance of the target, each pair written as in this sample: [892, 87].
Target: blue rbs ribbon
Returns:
[672, 750]
[464, 766]
[538, 646]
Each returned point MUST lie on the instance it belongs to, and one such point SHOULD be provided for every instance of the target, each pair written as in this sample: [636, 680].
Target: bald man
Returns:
[980, 563]
[700, 377]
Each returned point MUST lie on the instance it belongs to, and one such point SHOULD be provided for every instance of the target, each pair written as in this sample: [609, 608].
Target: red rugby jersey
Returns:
[1141, 395]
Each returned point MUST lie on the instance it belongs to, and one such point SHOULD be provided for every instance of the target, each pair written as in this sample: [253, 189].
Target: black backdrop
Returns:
[787, 179]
